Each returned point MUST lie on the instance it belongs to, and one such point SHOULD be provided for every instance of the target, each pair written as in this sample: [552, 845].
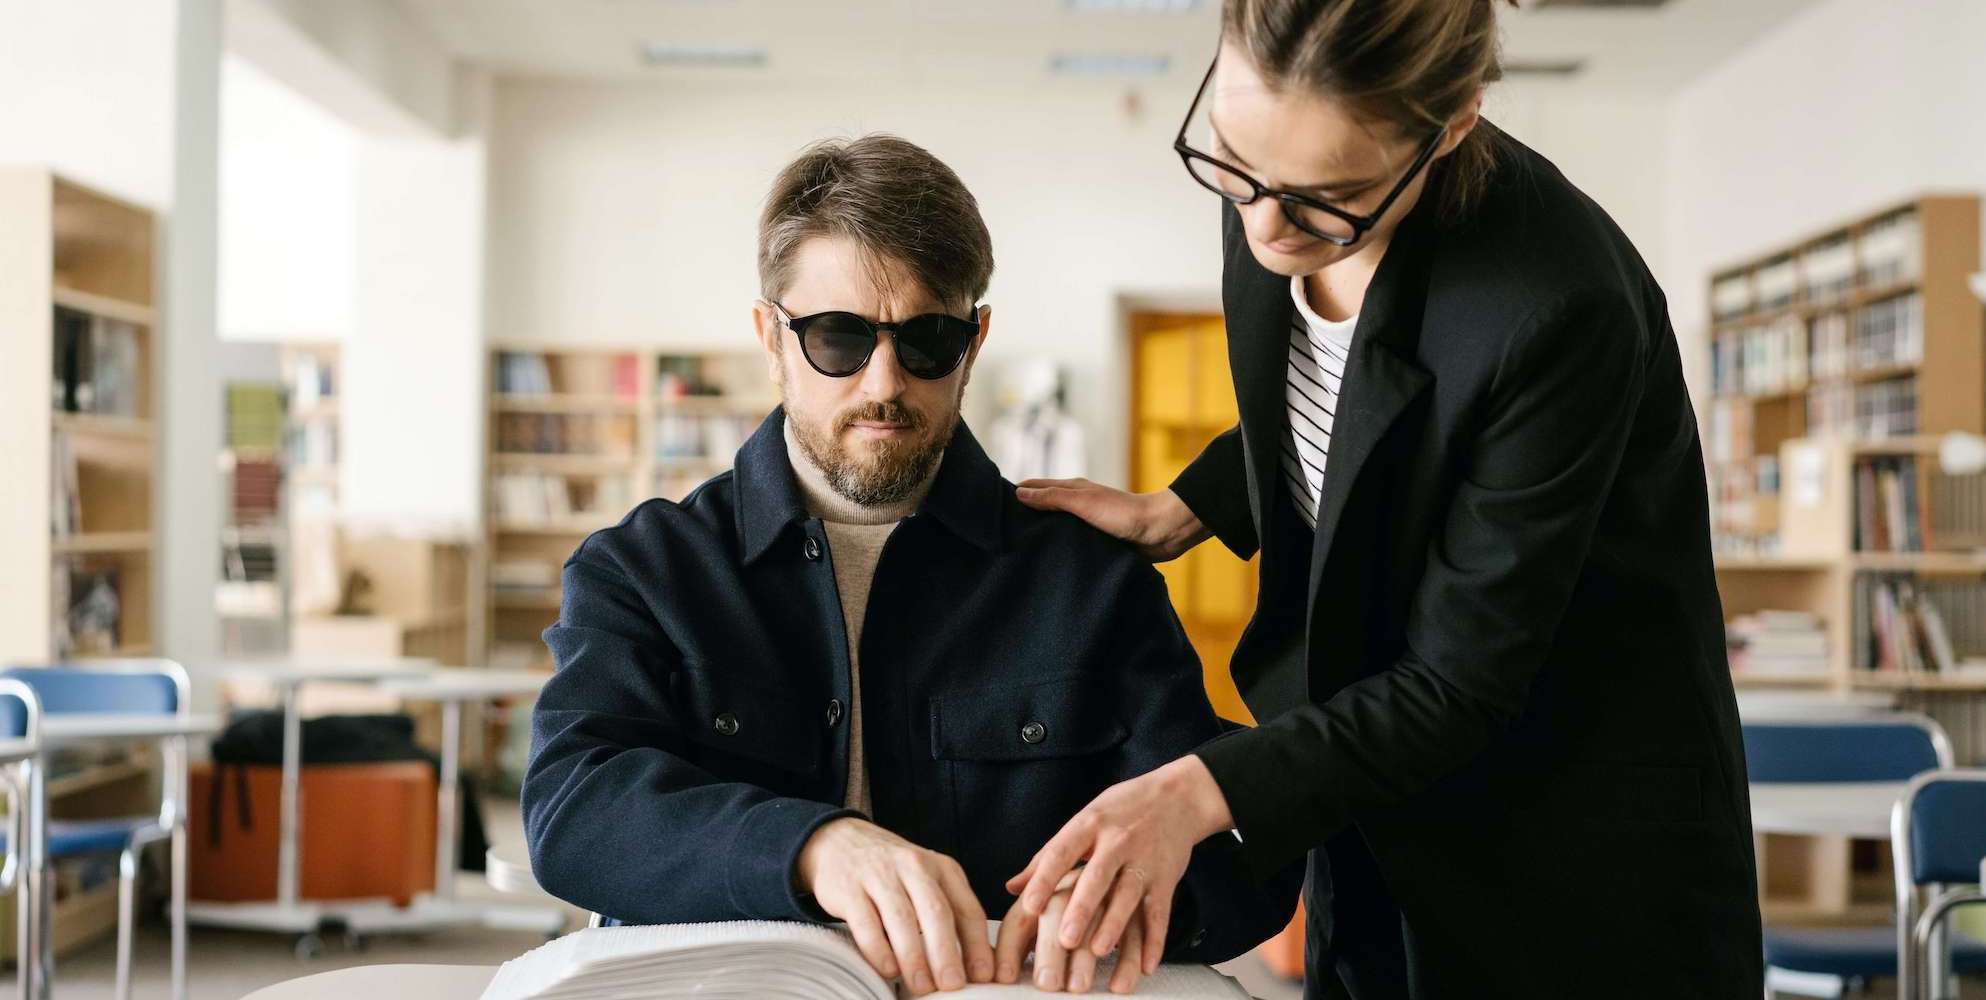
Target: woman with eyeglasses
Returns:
[1488, 653]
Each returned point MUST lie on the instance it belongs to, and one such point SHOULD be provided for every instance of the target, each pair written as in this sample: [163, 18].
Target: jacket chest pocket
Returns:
[757, 727]
[1020, 760]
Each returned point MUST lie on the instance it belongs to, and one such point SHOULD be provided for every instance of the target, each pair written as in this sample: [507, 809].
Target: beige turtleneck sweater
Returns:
[855, 542]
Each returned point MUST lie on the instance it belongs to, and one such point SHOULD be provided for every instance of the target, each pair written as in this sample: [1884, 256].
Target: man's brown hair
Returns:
[906, 212]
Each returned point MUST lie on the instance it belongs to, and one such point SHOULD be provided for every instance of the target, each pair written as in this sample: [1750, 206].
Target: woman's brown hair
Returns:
[1411, 64]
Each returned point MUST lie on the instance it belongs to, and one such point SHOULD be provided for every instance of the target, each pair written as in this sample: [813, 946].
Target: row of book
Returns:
[1902, 624]
[534, 499]
[716, 437]
[1871, 411]
[1777, 642]
[97, 362]
[524, 576]
[1891, 503]
[255, 416]
[1884, 253]
[313, 380]
[530, 373]
[1788, 353]
[607, 434]
[86, 605]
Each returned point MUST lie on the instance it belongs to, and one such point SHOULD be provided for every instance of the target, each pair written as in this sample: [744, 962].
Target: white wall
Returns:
[626, 213]
[1844, 109]
[289, 217]
[86, 86]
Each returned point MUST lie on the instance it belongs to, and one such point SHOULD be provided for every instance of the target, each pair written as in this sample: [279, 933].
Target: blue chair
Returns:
[128, 687]
[1823, 961]
[1938, 837]
[20, 719]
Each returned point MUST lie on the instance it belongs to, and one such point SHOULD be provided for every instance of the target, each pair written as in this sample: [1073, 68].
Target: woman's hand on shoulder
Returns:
[1159, 524]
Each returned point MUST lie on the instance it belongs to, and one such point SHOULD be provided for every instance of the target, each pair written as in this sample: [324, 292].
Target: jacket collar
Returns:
[966, 496]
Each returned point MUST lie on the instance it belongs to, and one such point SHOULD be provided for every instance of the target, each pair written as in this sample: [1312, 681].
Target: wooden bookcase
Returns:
[579, 435]
[79, 427]
[1857, 347]
[77, 508]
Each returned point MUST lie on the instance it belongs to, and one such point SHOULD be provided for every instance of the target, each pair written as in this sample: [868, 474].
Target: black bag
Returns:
[256, 738]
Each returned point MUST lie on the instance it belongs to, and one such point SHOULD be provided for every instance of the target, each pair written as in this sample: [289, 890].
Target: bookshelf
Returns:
[578, 435]
[1847, 560]
[79, 426]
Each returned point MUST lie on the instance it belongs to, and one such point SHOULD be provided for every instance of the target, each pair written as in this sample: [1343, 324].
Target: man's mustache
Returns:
[879, 412]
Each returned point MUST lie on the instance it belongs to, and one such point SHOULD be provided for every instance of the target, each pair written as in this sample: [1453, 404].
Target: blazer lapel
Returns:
[1258, 314]
[1381, 376]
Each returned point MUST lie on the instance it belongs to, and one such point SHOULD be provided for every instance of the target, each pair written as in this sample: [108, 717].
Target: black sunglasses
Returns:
[1332, 225]
[838, 344]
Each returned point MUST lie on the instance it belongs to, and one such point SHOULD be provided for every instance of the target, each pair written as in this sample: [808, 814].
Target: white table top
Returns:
[71, 728]
[507, 868]
[1859, 809]
[1772, 706]
[307, 670]
[386, 982]
[465, 684]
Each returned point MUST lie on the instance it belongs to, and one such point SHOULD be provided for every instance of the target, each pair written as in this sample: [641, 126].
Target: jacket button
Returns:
[726, 724]
[834, 711]
[813, 549]
[1033, 732]
[1199, 936]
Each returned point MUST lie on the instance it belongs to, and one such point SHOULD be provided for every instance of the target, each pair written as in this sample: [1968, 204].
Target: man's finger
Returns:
[1051, 961]
[1054, 861]
[941, 930]
[1130, 959]
[971, 920]
[1088, 897]
[1121, 910]
[867, 929]
[1158, 913]
[1016, 937]
[906, 941]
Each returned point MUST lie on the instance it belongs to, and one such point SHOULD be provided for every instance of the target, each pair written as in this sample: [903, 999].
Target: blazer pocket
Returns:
[1069, 716]
[745, 719]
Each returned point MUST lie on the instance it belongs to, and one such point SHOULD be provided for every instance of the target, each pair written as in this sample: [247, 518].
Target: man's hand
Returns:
[1056, 967]
[911, 911]
[1159, 524]
[1137, 838]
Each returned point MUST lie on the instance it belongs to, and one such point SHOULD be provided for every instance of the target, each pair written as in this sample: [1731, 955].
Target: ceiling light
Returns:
[741, 57]
[1109, 64]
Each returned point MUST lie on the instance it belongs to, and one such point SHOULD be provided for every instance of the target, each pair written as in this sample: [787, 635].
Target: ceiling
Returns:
[1619, 47]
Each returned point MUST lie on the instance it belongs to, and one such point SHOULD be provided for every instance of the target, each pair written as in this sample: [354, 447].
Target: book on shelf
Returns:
[766, 960]
[255, 416]
[1890, 514]
[1777, 282]
[524, 574]
[1891, 250]
[590, 434]
[1910, 626]
[1777, 642]
[1731, 296]
[313, 380]
[536, 499]
[88, 607]
[65, 500]
[1827, 270]
[523, 373]
[96, 365]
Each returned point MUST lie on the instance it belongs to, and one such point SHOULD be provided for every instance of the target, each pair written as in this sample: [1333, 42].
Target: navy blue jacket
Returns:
[1014, 664]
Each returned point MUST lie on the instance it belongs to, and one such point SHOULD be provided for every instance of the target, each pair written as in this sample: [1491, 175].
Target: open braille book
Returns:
[760, 960]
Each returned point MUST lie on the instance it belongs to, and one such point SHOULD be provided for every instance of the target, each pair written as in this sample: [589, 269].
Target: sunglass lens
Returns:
[838, 343]
[930, 347]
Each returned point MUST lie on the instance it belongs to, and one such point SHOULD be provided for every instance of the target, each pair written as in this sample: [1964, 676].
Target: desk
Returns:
[1853, 809]
[452, 688]
[507, 869]
[72, 729]
[386, 982]
[288, 913]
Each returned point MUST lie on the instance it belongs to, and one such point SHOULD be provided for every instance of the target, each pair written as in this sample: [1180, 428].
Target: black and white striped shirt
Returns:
[1318, 350]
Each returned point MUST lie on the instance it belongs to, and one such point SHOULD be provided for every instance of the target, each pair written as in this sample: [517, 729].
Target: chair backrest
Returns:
[1869, 748]
[1938, 829]
[140, 687]
[20, 711]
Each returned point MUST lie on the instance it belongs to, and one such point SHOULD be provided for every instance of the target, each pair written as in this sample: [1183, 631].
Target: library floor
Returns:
[225, 965]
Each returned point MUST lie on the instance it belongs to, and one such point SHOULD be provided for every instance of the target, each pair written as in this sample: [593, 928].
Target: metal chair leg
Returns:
[127, 884]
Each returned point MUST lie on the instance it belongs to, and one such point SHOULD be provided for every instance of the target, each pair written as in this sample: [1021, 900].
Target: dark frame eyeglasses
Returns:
[838, 344]
[1294, 205]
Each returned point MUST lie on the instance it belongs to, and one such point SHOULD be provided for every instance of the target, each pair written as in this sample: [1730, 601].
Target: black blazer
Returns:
[1496, 706]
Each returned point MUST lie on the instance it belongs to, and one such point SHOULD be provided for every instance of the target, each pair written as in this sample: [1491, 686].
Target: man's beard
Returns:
[888, 472]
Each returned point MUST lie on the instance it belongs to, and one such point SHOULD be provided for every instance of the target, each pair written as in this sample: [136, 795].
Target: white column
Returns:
[187, 562]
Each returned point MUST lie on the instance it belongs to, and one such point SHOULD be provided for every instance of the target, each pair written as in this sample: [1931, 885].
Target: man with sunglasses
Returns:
[854, 679]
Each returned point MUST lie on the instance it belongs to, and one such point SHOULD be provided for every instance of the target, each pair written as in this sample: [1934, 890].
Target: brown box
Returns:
[365, 831]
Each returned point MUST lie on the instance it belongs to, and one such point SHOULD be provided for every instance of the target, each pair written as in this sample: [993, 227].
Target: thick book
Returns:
[761, 960]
